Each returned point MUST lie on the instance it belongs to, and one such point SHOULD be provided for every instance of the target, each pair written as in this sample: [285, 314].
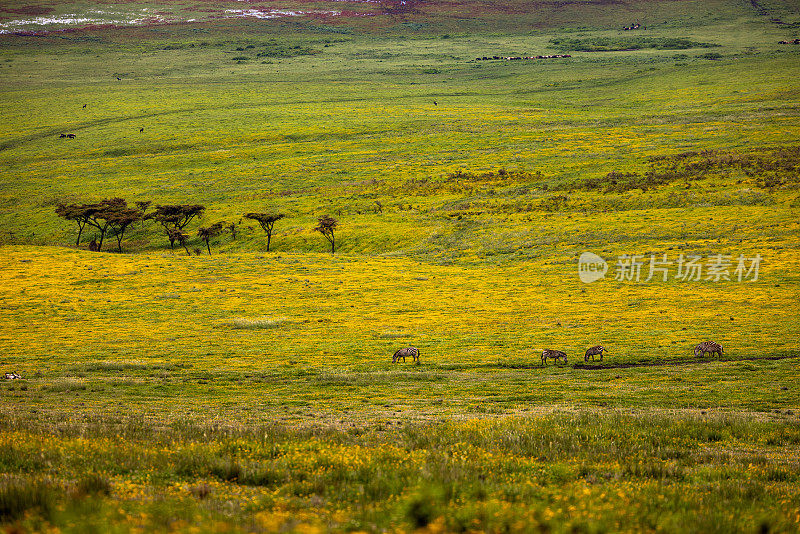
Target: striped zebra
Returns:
[708, 347]
[553, 354]
[412, 352]
[594, 351]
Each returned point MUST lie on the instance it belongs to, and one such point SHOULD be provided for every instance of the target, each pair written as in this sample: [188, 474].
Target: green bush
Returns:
[609, 44]
[20, 496]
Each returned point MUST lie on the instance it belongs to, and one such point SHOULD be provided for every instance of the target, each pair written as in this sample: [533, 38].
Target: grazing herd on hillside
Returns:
[515, 58]
[703, 348]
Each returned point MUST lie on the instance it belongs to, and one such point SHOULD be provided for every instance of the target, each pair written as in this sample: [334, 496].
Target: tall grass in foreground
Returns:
[565, 472]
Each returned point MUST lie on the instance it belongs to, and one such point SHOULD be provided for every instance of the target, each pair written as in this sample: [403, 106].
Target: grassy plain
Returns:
[254, 391]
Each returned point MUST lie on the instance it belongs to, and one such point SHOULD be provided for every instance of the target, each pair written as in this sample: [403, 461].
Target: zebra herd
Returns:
[703, 348]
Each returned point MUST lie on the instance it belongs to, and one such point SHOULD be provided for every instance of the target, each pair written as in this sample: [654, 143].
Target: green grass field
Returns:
[253, 391]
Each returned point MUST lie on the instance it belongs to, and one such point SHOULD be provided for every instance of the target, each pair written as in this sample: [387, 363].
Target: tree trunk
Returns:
[208, 246]
[102, 235]
[268, 229]
[80, 231]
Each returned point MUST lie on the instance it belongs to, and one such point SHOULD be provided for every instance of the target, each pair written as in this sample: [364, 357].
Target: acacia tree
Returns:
[267, 222]
[107, 214]
[326, 226]
[77, 213]
[119, 220]
[174, 219]
[102, 213]
[173, 234]
[142, 206]
[206, 234]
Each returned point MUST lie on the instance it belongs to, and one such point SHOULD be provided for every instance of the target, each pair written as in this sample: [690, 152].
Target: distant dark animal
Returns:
[708, 347]
[118, 78]
[84, 106]
[93, 246]
[434, 103]
[554, 355]
[412, 352]
[141, 130]
[594, 351]
[783, 42]
[62, 136]
[70, 136]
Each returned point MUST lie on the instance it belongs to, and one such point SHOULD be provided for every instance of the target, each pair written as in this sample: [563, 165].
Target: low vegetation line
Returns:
[595, 367]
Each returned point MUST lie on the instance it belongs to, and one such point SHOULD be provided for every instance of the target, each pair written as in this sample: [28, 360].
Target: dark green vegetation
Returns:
[252, 389]
[607, 44]
[561, 472]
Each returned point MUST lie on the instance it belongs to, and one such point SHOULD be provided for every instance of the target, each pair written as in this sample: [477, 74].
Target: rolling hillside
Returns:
[506, 177]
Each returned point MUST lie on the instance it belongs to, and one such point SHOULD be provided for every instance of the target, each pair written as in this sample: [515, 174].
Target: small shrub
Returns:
[554, 203]
[227, 469]
[200, 491]
[421, 509]
[19, 496]
[93, 484]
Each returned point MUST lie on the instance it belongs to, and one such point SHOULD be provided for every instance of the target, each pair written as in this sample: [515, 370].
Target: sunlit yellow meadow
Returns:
[238, 390]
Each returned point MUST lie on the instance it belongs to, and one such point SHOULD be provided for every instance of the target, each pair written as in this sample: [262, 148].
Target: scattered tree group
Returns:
[107, 214]
[115, 215]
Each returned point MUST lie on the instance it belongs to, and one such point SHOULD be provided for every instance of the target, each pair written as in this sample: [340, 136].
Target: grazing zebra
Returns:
[708, 346]
[553, 354]
[413, 352]
[597, 349]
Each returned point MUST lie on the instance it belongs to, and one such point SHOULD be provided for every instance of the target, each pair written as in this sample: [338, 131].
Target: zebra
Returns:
[708, 347]
[553, 354]
[597, 349]
[413, 352]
